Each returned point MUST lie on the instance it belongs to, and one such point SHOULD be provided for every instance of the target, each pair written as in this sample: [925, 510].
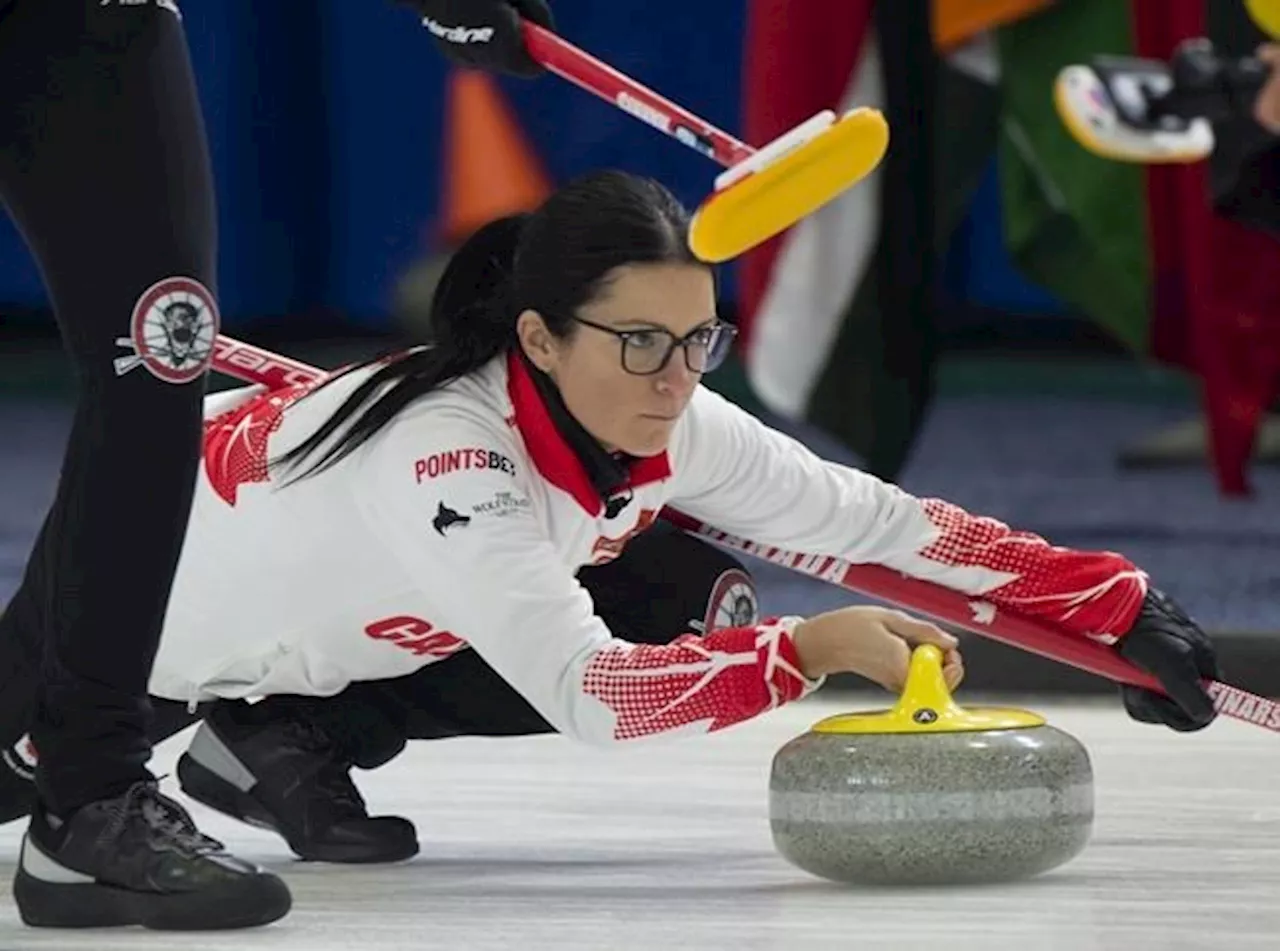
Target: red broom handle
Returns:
[584, 70]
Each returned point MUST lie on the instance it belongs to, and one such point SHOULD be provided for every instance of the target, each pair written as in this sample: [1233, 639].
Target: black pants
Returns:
[665, 584]
[104, 168]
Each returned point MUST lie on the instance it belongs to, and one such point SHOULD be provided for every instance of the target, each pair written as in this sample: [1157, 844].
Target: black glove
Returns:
[484, 34]
[1166, 643]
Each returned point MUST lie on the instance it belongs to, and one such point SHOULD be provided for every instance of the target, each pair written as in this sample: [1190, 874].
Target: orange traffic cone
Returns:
[490, 168]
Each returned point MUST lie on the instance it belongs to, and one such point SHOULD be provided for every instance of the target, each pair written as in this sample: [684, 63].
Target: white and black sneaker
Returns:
[277, 766]
[138, 859]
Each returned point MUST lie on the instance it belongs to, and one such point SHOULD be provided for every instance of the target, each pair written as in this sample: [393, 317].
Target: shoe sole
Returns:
[208, 788]
[256, 901]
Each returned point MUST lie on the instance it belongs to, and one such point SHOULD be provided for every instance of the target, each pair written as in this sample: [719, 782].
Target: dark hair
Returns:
[553, 260]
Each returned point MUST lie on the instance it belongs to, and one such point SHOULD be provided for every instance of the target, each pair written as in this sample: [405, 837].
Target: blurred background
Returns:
[1084, 349]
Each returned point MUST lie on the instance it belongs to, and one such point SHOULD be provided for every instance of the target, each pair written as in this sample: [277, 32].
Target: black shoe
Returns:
[17, 786]
[276, 768]
[138, 859]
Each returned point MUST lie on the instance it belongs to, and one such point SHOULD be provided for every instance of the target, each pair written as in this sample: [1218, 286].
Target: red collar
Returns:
[551, 453]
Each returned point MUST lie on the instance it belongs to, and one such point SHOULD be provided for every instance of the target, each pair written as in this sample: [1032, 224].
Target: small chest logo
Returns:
[447, 518]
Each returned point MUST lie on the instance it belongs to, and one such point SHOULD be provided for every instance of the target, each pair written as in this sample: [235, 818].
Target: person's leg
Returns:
[18, 756]
[285, 762]
[20, 656]
[104, 169]
[109, 183]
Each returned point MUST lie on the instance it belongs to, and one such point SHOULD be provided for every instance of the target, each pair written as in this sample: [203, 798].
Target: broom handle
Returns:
[256, 365]
[582, 69]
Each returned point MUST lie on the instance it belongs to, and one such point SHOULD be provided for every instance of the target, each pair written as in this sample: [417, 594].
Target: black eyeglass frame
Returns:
[714, 358]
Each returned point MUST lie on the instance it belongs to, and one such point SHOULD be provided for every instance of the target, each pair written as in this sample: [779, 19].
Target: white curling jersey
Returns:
[462, 524]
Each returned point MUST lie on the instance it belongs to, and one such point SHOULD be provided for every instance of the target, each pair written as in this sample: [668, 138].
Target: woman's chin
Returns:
[650, 438]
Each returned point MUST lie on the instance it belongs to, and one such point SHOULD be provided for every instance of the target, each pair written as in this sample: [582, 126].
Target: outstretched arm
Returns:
[749, 480]
[745, 478]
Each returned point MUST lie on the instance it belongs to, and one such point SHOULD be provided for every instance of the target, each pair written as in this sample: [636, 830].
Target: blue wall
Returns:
[325, 134]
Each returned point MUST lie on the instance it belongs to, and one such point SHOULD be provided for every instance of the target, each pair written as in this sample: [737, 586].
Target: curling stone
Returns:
[929, 793]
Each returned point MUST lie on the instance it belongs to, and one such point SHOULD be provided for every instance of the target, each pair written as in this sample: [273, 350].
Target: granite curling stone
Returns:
[929, 793]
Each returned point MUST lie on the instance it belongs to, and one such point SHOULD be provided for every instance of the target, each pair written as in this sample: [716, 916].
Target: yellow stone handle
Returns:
[925, 696]
[926, 706]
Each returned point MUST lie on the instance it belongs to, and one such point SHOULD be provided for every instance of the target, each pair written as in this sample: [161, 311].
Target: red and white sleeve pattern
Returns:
[718, 680]
[1094, 593]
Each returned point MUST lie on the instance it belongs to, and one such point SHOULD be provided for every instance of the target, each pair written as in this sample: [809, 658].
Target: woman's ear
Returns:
[538, 343]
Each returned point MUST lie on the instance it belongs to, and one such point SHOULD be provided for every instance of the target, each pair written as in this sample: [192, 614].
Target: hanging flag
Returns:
[1141, 251]
[1075, 223]
[838, 314]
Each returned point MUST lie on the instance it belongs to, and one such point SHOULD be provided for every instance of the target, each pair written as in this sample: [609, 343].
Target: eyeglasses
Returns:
[648, 351]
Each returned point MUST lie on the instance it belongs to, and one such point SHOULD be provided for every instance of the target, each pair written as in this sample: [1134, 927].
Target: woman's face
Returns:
[626, 411]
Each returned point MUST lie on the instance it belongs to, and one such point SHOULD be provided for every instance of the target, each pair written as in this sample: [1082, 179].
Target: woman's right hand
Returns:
[872, 642]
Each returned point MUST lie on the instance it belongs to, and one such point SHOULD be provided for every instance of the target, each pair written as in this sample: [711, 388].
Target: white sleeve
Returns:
[489, 573]
[746, 479]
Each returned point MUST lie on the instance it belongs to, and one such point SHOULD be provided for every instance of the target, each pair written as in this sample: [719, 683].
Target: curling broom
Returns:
[763, 191]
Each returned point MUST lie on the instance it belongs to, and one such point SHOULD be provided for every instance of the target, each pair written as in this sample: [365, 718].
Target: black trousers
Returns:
[104, 168]
[665, 584]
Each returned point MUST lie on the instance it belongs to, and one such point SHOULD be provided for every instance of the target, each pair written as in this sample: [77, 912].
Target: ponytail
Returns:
[471, 322]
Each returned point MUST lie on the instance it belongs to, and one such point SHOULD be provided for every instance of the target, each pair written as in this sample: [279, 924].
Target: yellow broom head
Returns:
[786, 180]
[1266, 14]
